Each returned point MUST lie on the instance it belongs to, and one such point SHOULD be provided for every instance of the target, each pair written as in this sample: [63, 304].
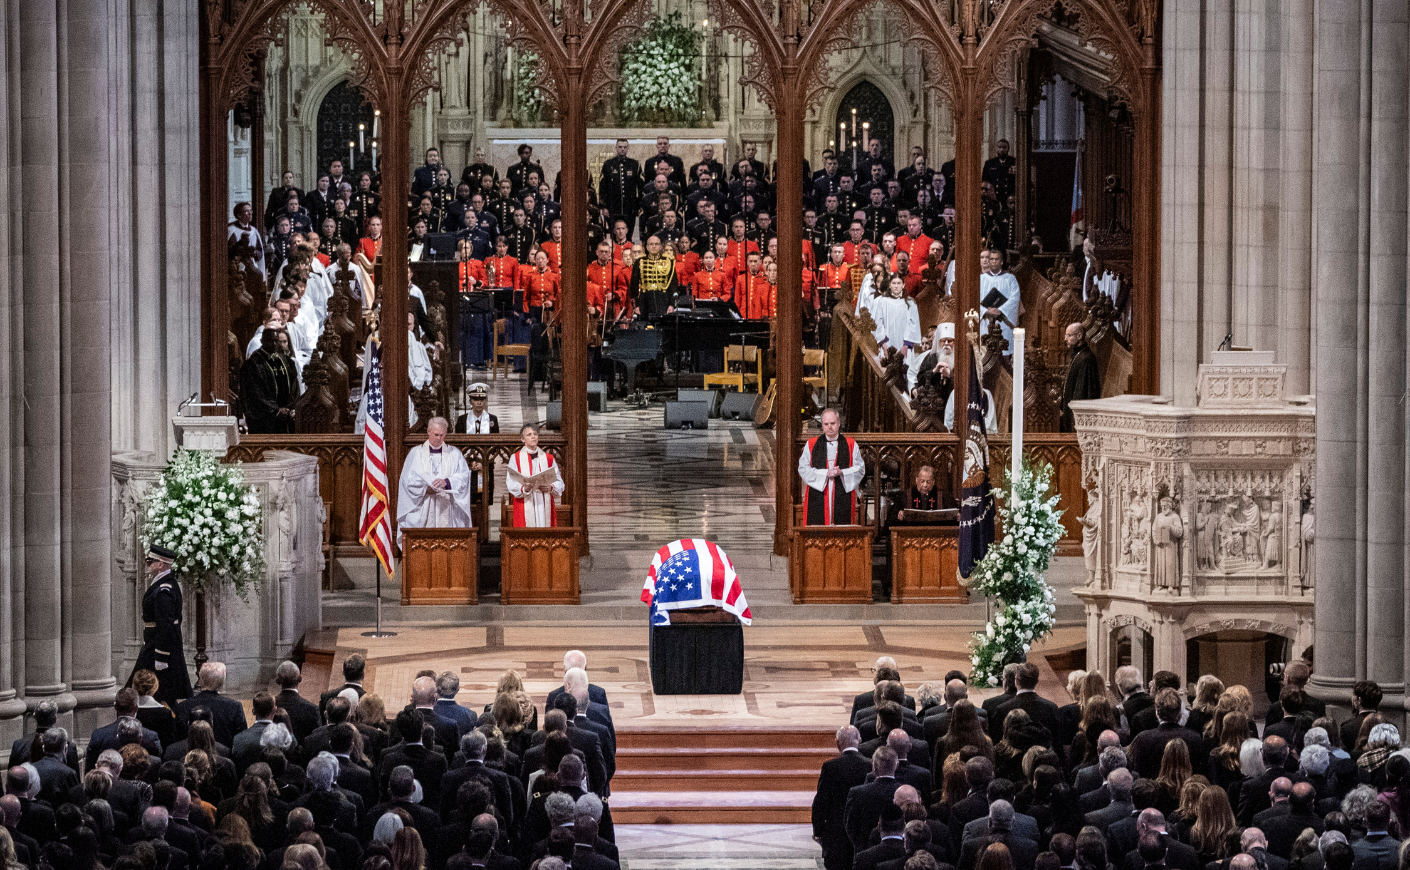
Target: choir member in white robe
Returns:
[241, 232]
[533, 507]
[869, 289]
[897, 319]
[995, 277]
[303, 330]
[831, 468]
[434, 491]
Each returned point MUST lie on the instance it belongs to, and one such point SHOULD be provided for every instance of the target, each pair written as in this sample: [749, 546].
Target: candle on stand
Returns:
[1016, 445]
[866, 136]
[374, 155]
[854, 123]
[352, 155]
[376, 120]
[361, 140]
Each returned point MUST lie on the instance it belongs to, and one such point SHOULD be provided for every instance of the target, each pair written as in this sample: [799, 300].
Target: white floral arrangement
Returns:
[1012, 572]
[661, 74]
[202, 511]
[528, 99]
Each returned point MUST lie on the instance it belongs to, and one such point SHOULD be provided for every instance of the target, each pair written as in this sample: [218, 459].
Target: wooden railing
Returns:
[892, 460]
[340, 466]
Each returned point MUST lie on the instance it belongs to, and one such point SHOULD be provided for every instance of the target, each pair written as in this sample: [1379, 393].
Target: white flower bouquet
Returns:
[1012, 571]
[661, 75]
[203, 512]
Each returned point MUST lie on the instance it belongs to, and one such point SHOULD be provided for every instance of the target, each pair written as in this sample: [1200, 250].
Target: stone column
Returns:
[1340, 142]
[1384, 342]
[86, 74]
[1295, 339]
[46, 188]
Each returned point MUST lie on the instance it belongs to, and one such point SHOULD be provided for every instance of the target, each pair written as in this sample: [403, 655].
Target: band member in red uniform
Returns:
[751, 291]
[554, 246]
[711, 283]
[541, 288]
[606, 279]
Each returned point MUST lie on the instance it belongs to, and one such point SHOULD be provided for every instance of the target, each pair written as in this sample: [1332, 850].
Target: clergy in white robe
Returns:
[434, 491]
[867, 292]
[897, 318]
[991, 423]
[995, 277]
[533, 506]
[831, 468]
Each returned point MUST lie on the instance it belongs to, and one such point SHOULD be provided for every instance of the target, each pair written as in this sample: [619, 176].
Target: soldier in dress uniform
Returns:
[365, 203]
[479, 421]
[654, 284]
[620, 186]
[162, 651]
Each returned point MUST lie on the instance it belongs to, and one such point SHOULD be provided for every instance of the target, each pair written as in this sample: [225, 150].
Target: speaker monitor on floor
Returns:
[683, 415]
[597, 396]
[555, 415]
[710, 397]
[738, 406]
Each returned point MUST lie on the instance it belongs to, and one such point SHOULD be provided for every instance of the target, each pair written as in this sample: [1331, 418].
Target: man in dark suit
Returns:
[1146, 719]
[890, 718]
[447, 687]
[1148, 748]
[107, 737]
[401, 785]
[1025, 698]
[36, 818]
[865, 802]
[909, 772]
[1378, 850]
[991, 705]
[892, 823]
[1278, 794]
[1118, 787]
[352, 776]
[245, 749]
[1295, 676]
[1133, 694]
[1254, 793]
[472, 747]
[581, 721]
[1283, 830]
[423, 699]
[1094, 775]
[26, 748]
[887, 692]
[600, 710]
[227, 715]
[1023, 851]
[1022, 825]
[166, 796]
[1178, 856]
[585, 855]
[838, 777]
[1121, 836]
[302, 714]
[427, 765]
[1366, 696]
[337, 713]
[155, 822]
[55, 777]
[594, 759]
[936, 724]
[354, 669]
[884, 669]
[979, 773]
[24, 844]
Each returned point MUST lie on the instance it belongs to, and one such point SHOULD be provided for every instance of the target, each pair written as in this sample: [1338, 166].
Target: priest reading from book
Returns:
[533, 479]
[832, 469]
[434, 492]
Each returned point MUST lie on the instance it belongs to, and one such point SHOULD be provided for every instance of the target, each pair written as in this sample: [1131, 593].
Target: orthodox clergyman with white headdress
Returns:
[434, 492]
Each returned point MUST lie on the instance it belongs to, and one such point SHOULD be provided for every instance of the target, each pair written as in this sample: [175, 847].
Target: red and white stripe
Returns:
[725, 590]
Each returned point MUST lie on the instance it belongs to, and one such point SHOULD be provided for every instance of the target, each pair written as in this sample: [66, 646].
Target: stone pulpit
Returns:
[250, 637]
[1200, 520]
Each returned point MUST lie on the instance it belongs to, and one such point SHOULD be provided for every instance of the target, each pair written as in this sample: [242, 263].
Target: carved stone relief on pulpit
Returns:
[1239, 521]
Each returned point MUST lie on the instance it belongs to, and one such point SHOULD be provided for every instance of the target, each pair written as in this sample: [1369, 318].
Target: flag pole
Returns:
[378, 632]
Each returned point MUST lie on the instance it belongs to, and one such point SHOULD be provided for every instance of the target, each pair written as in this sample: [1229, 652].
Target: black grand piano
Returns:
[707, 327]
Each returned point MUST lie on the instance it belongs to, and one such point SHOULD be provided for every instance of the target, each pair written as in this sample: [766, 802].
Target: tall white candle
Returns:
[1017, 416]
[374, 155]
[352, 155]
[361, 137]
[376, 121]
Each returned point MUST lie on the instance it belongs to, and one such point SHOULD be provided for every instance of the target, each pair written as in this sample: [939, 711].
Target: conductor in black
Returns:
[162, 651]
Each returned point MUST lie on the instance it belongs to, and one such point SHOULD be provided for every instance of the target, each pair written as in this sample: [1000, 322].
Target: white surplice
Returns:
[1007, 285]
[897, 322]
[534, 510]
[422, 506]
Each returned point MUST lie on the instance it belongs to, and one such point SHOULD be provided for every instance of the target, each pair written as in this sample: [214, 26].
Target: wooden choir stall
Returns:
[925, 564]
[829, 564]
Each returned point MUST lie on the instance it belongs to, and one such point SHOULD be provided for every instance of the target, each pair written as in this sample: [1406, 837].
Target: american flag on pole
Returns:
[692, 572]
[376, 526]
[1077, 189]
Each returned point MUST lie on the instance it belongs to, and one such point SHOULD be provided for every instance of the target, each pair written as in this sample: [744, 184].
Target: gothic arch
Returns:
[310, 106]
[866, 70]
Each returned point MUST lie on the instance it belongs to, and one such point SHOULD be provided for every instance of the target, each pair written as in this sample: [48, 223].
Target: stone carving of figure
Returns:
[1273, 535]
[1138, 530]
[1307, 535]
[1167, 532]
[455, 69]
[1206, 525]
[1091, 523]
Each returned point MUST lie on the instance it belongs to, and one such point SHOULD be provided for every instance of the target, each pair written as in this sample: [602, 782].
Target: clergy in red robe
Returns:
[533, 504]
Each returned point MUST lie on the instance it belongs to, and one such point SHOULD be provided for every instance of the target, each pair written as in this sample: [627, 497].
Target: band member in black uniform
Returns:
[162, 651]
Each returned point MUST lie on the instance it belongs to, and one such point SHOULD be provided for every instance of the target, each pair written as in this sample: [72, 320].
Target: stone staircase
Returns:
[717, 776]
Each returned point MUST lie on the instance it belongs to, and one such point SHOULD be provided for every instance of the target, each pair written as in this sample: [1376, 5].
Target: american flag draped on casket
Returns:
[692, 572]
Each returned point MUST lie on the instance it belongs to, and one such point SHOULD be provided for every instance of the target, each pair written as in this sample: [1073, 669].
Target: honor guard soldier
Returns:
[620, 185]
[162, 651]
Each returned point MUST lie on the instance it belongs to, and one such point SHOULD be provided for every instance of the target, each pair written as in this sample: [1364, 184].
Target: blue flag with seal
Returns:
[976, 498]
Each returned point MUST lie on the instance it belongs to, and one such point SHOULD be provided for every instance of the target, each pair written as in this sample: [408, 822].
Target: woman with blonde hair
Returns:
[8, 860]
[508, 715]
[1183, 818]
[1070, 715]
[302, 856]
[1214, 822]
[1207, 692]
[1225, 766]
[233, 835]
